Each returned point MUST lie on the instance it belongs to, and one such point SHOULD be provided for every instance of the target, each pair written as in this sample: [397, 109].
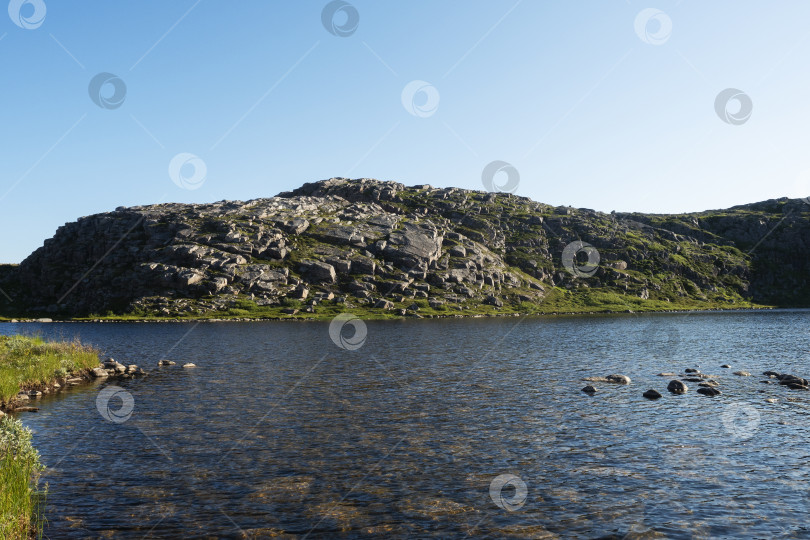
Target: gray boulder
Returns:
[414, 246]
[319, 271]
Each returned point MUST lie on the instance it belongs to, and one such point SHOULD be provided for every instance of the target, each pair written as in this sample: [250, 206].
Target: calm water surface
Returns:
[280, 433]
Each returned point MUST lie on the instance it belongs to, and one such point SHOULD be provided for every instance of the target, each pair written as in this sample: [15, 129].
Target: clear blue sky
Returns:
[567, 92]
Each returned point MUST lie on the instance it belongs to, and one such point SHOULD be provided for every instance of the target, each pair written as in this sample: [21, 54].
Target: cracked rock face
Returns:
[385, 246]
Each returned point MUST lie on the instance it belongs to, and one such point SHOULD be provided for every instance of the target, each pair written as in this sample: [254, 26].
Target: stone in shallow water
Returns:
[189, 365]
[677, 387]
[614, 378]
[666, 374]
[725, 366]
[691, 370]
[589, 389]
[651, 394]
[742, 373]
[711, 392]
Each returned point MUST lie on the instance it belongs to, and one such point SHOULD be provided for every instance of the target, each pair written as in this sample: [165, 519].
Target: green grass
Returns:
[21, 502]
[557, 301]
[27, 362]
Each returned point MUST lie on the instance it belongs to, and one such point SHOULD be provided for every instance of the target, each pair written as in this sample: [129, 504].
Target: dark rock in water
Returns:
[677, 387]
[708, 384]
[770, 373]
[791, 380]
[725, 366]
[708, 391]
[589, 389]
[797, 386]
[651, 394]
[691, 370]
[692, 379]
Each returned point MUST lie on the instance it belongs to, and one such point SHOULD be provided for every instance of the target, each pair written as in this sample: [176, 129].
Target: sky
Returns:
[614, 105]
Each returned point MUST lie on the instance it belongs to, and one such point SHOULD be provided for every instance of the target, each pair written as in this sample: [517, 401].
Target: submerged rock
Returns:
[677, 387]
[725, 366]
[742, 373]
[651, 394]
[589, 389]
[708, 391]
[614, 379]
[666, 374]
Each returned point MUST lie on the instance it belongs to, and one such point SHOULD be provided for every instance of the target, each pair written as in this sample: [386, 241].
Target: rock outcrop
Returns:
[381, 245]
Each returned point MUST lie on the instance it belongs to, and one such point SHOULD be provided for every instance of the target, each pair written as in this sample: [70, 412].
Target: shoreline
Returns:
[31, 392]
[375, 316]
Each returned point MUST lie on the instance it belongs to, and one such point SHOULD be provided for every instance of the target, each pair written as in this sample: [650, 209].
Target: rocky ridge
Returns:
[344, 244]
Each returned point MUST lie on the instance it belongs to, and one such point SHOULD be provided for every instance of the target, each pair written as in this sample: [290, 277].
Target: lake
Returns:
[432, 428]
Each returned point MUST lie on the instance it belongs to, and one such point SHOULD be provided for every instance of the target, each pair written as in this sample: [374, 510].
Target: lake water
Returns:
[280, 433]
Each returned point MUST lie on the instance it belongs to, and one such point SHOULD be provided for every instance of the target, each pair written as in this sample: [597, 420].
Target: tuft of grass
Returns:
[21, 502]
[27, 362]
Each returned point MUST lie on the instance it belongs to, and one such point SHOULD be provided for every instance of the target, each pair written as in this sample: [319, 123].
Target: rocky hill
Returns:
[383, 248]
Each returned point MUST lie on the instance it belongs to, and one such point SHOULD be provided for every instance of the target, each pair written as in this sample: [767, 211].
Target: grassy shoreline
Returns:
[558, 301]
[27, 364]
[377, 315]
